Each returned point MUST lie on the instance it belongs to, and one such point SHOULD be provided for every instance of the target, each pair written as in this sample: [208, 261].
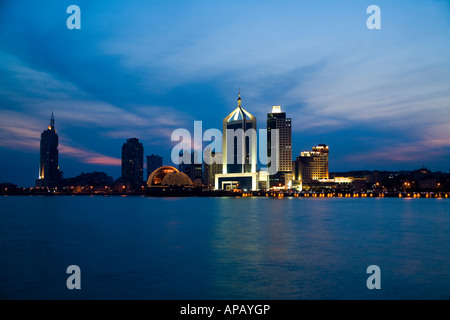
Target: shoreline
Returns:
[233, 194]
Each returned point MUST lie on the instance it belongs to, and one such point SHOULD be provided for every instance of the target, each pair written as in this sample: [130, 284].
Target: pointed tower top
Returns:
[239, 99]
[52, 122]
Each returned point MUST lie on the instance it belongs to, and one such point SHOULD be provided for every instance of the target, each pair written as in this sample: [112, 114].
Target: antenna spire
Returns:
[239, 99]
[52, 121]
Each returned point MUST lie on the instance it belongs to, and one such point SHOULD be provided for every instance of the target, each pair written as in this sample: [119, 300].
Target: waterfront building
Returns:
[168, 176]
[49, 174]
[133, 162]
[311, 166]
[239, 152]
[282, 148]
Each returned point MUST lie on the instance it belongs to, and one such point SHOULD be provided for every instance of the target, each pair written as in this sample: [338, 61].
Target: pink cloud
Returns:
[105, 160]
[89, 156]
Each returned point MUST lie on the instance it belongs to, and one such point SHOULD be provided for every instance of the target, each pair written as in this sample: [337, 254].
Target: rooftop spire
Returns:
[239, 99]
[52, 121]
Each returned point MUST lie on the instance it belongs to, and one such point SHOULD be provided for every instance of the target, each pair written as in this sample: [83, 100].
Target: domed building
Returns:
[168, 176]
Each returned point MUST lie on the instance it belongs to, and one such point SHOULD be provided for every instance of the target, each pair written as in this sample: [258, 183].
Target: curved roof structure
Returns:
[176, 179]
[240, 113]
[168, 176]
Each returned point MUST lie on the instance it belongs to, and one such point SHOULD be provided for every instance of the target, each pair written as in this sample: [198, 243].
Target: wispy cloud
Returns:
[119, 76]
[89, 156]
[35, 94]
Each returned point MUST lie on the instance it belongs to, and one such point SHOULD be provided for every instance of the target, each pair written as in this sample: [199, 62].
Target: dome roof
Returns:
[168, 176]
[176, 179]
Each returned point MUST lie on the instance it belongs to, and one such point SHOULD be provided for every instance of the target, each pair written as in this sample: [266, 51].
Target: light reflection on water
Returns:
[224, 248]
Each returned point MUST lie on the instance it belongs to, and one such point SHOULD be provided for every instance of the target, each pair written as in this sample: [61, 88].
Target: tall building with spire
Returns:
[283, 146]
[49, 174]
[239, 151]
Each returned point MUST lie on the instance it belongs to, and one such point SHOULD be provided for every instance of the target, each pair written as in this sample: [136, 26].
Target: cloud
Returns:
[117, 77]
[89, 157]
[34, 94]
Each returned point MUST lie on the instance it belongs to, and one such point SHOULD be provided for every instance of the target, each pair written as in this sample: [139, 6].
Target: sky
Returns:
[379, 98]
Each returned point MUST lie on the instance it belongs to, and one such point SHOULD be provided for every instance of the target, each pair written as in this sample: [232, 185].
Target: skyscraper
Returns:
[153, 162]
[283, 147]
[49, 174]
[133, 162]
[240, 149]
[239, 152]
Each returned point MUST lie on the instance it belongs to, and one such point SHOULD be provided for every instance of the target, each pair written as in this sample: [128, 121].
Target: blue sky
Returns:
[379, 98]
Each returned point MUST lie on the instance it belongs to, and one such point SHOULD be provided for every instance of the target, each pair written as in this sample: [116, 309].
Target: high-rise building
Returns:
[153, 162]
[283, 147]
[133, 162]
[239, 152]
[211, 168]
[239, 148]
[312, 165]
[49, 174]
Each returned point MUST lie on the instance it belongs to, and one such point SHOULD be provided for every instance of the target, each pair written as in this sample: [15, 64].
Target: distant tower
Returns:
[283, 148]
[133, 162]
[153, 162]
[49, 174]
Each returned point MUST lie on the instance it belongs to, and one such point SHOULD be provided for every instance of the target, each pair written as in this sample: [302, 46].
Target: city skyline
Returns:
[378, 97]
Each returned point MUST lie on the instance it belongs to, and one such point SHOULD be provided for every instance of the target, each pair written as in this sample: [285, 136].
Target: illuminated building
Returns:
[283, 147]
[242, 153]
[168, 176]
[153, 162]
[49, 174]
[133, 162]
[239, 157]
[311, 165]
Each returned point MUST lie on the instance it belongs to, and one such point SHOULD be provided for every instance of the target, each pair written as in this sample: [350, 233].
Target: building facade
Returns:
[283, 147]
[49, 174]
[238, 142]
[311, 165]
[133, 162]
[239, 151]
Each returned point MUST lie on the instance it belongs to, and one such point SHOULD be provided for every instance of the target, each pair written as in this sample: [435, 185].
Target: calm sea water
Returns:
[224, 248]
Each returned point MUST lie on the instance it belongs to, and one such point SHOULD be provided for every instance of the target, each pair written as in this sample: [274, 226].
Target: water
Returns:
[224, 248]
